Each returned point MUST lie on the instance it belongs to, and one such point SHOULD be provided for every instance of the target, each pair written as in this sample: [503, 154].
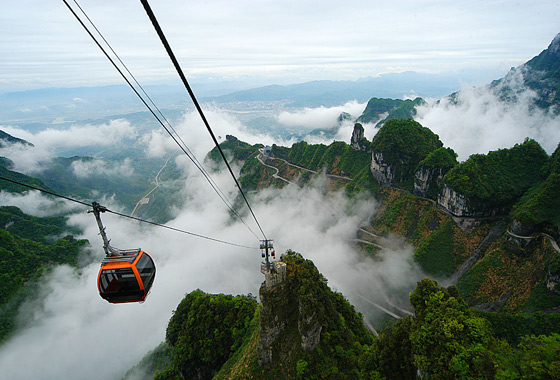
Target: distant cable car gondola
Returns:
[125, 275]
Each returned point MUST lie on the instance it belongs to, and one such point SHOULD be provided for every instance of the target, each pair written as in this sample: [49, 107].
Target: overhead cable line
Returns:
[123, 215]
[163, 39]
[181, 144]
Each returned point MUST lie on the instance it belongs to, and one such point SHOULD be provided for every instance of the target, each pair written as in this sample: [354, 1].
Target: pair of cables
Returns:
[152, 107]
[120, 214]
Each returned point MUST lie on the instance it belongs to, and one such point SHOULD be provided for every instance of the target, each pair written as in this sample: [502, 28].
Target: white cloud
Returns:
[26, 159]
[83, 169]
[48, 141]
[320, 117]
[480, 122]
[37, 204]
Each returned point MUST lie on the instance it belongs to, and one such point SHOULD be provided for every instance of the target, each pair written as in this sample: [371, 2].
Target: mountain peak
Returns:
[554, 46]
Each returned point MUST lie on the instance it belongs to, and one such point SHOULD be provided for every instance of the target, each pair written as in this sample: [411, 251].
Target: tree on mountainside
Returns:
[448, 340]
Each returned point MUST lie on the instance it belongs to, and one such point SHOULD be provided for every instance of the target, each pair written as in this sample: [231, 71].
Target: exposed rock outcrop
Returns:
[381, 170]
[459, 205]
[455, 203]
[301, 317]
[522, 229]
[553, 283]
[358, 140]
[427, 178]
[397, 150]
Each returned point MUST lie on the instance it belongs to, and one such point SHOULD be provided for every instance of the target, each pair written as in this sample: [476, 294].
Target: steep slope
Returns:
[204, 332]
[306, 331]
[301, 330]
[23, 261]
[538, 209]
[541, 74]
[444, 245]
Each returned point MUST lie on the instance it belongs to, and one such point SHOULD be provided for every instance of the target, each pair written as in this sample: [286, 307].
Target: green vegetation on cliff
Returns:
[448, 340]
[377, 107]
[405, 140]
[394, 108]
[205, 331]
[544, 76]
[498, 179]
[307, 330]
[404, 144]
[444, 158]
[239, 150]
[337, 158]
[512, 277]
[539, 206]
[297, 164]
[303, 330]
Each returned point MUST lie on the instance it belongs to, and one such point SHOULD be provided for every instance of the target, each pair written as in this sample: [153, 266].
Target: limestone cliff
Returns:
[358, 140]
[302, 322]
[397, 150]
[382, 170]
[426, 179]
[455, 203]
[431, 170]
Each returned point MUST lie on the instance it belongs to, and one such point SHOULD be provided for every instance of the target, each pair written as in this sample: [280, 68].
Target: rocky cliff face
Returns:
[455, 203]
[358, 140]
[426, 179]
[459, 205]
[381, 170]
[302, 320]
[286, 325]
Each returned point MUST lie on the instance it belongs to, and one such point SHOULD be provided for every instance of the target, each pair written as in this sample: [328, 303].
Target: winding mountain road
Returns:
[275, 175]
[145, 200]
[261, 157]
[550, 238]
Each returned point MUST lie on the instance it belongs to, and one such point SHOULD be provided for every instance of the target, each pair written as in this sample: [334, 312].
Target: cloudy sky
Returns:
[273, 41]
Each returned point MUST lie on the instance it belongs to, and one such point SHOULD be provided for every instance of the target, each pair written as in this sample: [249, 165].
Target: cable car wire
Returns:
[163, 39]
[121, 214]
[181, 144]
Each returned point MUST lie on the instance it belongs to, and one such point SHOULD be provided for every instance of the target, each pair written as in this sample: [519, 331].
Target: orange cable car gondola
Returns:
[125, 275]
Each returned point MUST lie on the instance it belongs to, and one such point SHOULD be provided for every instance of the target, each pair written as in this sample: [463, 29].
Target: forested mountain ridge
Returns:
[6, 138]
[381, 110]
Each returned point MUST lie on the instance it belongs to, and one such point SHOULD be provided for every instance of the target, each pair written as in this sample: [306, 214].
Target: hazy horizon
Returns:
[271, 42]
